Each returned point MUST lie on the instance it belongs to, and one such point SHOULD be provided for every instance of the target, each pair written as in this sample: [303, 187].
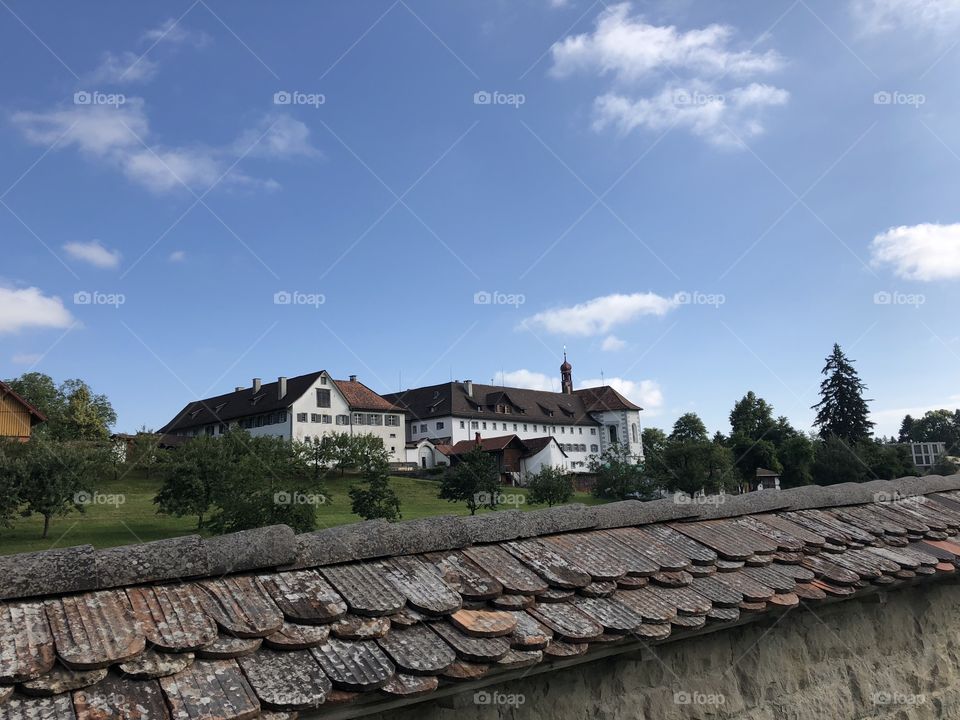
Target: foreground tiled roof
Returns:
[265, 623]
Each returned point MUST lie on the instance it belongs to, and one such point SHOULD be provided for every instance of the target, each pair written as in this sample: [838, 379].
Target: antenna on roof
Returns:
[602, 381]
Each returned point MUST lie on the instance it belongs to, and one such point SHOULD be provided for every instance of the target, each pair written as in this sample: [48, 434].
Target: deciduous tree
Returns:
[551, 486]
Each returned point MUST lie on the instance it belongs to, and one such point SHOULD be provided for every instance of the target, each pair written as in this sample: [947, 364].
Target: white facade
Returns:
[551, 456]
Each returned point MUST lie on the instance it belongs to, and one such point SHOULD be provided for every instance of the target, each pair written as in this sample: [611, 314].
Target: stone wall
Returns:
[892, 656]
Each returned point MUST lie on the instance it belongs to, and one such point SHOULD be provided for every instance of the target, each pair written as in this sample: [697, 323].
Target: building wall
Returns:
[14, 419]
[550, 456]
[587, 436]
[854, 659]
[625, 421]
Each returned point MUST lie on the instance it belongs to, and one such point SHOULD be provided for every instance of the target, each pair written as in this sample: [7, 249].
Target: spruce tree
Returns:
[842, 411]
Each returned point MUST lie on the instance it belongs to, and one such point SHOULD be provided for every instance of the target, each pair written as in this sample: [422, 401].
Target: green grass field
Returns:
[135, 519]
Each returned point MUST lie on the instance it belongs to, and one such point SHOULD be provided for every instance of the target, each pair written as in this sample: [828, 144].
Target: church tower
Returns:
[566, 375]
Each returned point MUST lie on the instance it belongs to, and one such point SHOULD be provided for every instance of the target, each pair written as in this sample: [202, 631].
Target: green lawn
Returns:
[135, 519]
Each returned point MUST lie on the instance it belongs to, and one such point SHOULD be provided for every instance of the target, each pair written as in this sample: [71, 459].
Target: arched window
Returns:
[633, 430]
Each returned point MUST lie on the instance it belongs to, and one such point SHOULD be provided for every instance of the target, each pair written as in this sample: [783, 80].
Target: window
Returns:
[439, 426]
[581, 430]
[563, 430]
[358, 418]
[593, 431]
[223, 428]
[374, 419]
[301, 417]
[423, 428]
[504, 426]
[514, 427]
[594, 448]
[462, 424]
[326, 419]
[391, 420]
[208, 429]
[474, 425]
[633, 431]
[323, 379]
[323, 398]
[525, 427]
[282, 416]
[343, 419]
[484, 426]
[315, 417]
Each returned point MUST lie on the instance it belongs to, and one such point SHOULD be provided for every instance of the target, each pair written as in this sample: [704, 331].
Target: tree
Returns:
[475, 480]
[90, 416]
[943, 466]
[57, 478]
[796, 457]
[11, 473]
[906, 429]
[751, 417]
[938, 426]
[655, 468]
[142, 452]
[551, 486]
[842, 411]
[835, 461]
[619, 475]
[886, 462]
[752, 454]
[190, 475]
[689, 427]
[377, 499]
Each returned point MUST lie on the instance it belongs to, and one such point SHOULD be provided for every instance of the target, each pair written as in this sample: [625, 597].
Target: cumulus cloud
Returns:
[919, 252]
[612, 343]
[94, 253]
[125, 67]
[938, 17]
[172, 32]
[646, 393]
[601, 314]
[29, 307]
[282, 137]
[662, 76]
[121, 137]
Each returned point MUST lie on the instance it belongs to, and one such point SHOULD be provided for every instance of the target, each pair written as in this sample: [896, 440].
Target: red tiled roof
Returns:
[360, 397]
[488, 444]
[380, 612]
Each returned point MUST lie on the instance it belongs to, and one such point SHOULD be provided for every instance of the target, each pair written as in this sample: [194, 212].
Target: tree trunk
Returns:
[46, 526]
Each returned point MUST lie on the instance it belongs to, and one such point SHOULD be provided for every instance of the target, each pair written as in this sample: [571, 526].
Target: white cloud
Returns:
[612, 343]
[174, 33]
[177, 256]
[29, 307]
[26, 358]
[938, 17]
[920, 252]
[280, 136]
[527, 379]
[637, 56]
[599, 315]
[127, 67]
[646, 393]
[94, 253]
[121, 137]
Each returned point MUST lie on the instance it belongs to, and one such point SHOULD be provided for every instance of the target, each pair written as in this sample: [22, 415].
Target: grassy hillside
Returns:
[135, 519]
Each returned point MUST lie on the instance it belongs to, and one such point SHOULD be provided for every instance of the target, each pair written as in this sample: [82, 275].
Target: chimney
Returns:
[238, 388]
[353, 378]
[256, 385]
[469, 385]
[281, 387]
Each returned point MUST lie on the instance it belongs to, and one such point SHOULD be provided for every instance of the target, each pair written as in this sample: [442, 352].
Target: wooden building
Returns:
[17, 416]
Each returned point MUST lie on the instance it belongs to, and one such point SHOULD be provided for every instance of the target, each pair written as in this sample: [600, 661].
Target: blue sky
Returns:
[695, 198]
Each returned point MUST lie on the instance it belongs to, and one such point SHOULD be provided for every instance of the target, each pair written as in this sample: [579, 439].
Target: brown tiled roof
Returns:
[376, 612]
[535, 445]
[603, 398]
[488, 444]
[35, 415]
[529, 406]
[360, 397]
